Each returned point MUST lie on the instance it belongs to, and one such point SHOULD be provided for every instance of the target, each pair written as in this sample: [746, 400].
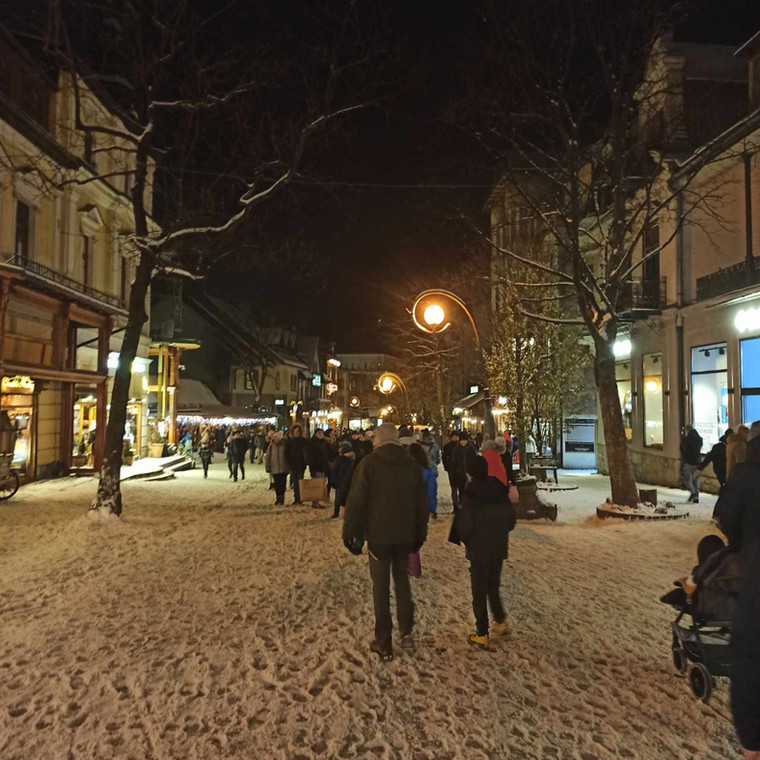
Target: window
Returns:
[23, 230]
[623, 377]
[89, 145]
[277, 381]
[294, 382]
[709, 392]
[652, 372]
[86, 260]
[750, 365]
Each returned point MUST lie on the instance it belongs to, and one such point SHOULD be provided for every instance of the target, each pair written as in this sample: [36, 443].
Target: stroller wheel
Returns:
[680, 660]
[701, 682]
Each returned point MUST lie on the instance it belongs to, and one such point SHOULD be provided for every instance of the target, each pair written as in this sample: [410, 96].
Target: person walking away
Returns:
[239, 448]
[429, 475]
[446, 455]
[495, 463]
[252, 445]
[341, 470]
[388, 507]
[739, 518]
[206, 450]
[277, 466]
[229, 451]
[505, 454]
[317, 457]
[332, 453]
[485, 521]
[691, 448]
[461, 459]
[736, 448]
[295, 447]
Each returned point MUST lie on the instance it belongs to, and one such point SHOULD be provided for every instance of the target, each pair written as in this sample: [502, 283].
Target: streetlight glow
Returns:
[434, 315]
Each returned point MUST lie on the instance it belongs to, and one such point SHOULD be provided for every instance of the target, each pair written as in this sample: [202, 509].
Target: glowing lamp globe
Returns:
[386, 384]
[434, 315]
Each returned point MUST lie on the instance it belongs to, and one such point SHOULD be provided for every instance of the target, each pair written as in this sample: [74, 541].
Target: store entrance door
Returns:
[17, 400]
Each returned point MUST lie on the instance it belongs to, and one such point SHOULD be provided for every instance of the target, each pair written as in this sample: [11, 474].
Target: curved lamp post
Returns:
[389, 382]
[429, 314]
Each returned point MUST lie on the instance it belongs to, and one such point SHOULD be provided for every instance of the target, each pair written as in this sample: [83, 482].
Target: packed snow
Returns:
[208, 623]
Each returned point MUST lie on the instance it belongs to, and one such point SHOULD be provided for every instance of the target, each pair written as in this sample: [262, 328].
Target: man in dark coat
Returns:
[691, 457]
[717, 458]
[239, 448]
[295, 448]
[738, 515]
[388, 507]
[484, 522]
[461, 460]
[446, 455]
[317, 454]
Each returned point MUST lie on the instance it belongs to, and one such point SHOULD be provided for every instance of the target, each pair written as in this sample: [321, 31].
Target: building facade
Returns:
[65, 269]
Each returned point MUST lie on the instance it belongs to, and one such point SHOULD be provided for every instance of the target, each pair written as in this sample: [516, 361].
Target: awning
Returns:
[469, 401]
[195, 399]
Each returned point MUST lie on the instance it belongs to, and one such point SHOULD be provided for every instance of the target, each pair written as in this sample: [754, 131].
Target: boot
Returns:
[501, 629]
[478, 641]
[385, 655]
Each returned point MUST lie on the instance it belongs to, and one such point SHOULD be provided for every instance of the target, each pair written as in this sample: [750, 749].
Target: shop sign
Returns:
[332, 388]
[474, 388]
[579, 447]
[747, 320]
[18, 383]
[316, 380]
[279, 402]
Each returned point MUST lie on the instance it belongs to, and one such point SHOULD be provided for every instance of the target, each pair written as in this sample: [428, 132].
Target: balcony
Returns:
[728, 280]
[643, 297]
[51, 279]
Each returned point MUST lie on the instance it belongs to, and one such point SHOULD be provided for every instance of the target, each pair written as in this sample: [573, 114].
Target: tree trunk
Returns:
[108, 498]
[622, 479]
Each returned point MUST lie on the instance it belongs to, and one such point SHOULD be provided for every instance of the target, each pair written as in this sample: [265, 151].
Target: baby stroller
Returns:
[702, 630]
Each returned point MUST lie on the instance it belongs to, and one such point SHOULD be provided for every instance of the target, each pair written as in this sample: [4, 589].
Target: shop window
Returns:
[709, 392]
[653, 409]
[23, 231]
[625, 395]
[750, 365]
[294, 383]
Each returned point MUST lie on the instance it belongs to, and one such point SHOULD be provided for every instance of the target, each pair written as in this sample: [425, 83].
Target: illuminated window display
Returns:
[625, 394]
[750, 359]
[653, 413]
[709, 392]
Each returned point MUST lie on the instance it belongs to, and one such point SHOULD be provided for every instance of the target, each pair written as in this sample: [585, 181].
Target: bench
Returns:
[540, 465]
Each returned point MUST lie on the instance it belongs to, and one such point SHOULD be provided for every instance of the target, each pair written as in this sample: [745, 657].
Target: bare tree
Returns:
[574, 115]
[257, 107]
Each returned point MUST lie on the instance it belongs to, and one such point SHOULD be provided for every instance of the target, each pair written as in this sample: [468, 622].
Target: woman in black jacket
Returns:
[484, 522]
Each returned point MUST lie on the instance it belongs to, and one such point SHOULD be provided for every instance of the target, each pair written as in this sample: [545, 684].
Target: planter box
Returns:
[156, 450]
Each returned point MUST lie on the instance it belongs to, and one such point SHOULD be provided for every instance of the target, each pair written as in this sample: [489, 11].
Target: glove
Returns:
[354, 545]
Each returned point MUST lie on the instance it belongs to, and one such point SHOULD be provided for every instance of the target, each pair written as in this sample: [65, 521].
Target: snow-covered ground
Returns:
[208, 623]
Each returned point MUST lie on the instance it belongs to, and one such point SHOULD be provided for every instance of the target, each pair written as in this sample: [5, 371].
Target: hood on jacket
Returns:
[488, 490]
[741, 434]
[393, 451]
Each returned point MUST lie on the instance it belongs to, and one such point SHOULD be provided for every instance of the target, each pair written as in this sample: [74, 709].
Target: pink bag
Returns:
[415, 565]
[514, 495]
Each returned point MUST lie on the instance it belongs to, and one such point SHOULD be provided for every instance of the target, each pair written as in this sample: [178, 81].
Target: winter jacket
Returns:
[388, 501]
[239, 448]
[433, 450]
[485, 520]
[495, 466]
[295, 453]
[430, 476]
[340, 470]
[717, 458]
[317, 455]
[448, 450]
[738, 514]
[691, 448]
[275, 461]
[736, 449]
[461, 458]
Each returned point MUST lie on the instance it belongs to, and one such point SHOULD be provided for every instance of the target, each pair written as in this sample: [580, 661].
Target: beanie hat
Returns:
[344, 447]
[386, 433]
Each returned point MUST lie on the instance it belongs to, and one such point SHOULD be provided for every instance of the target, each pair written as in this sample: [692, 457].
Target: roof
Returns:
[195, 398]
[750, 46]
[704, 61]
[470, 400]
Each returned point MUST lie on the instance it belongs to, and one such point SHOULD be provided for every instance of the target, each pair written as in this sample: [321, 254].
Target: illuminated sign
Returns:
[332, 388]
[316, 381]
[622, 348]
[474, 388]
[747, 320]
[18, 383]
[279, 402]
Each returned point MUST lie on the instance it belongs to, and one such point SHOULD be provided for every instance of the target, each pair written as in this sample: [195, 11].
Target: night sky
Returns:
[377, 208]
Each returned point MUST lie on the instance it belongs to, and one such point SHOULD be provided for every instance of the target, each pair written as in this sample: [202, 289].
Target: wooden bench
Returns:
[540, 465]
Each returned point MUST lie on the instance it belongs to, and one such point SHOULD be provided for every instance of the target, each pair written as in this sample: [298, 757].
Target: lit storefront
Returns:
[17, 401]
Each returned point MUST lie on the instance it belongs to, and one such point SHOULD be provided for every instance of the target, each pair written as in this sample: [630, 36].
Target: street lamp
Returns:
[389, 382]
[429, 314]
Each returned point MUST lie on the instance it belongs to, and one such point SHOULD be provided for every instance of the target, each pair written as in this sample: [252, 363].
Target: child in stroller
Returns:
[708, 597]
